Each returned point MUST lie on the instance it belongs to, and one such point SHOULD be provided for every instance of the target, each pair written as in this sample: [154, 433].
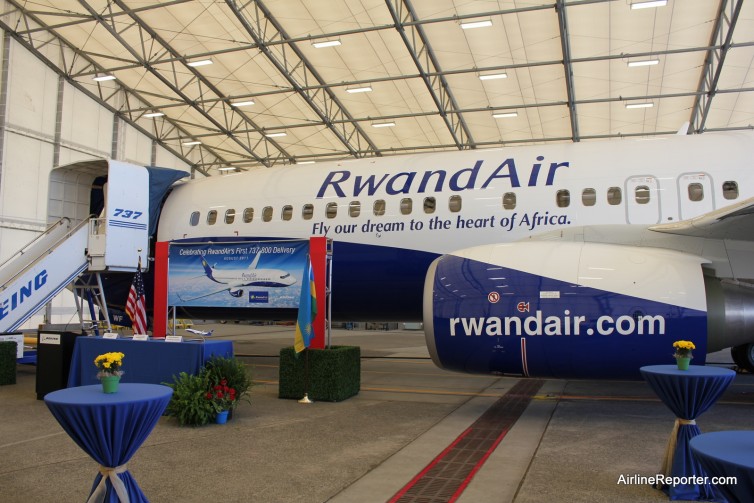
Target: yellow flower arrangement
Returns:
[683, 349]
[109, 364]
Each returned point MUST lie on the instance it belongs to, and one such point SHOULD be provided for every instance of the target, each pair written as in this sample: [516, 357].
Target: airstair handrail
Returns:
[49, 249]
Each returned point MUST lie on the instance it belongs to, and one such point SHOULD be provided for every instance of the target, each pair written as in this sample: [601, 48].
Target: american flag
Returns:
[136, 305]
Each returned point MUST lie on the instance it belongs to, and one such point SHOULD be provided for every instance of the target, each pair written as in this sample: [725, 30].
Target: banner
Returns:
[243, 274]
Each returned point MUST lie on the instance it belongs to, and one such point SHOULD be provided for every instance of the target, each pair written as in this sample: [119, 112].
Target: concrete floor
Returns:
[572, 443]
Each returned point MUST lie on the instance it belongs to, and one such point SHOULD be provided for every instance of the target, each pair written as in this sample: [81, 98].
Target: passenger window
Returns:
[194, 220]
[287, 212]
[730, 190]
[248, 215]
[307, 212]
[509, 201]
[379, 207]
[429, 205]
[454, 203]
[230, 216]
[331, 210]
[354, 208]
[407, 206]
[267, 213]
[588, 197]
[696, 192]
[563, 198]
[211, 217]
[642, 194]
[614, 196]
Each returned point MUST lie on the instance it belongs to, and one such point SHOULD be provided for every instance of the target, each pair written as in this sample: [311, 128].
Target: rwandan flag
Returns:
[307, 309]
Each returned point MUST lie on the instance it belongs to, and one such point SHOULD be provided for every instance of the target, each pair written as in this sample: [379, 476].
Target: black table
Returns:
[728, 454]
[688, 393]
[153, 361]
[110, 428]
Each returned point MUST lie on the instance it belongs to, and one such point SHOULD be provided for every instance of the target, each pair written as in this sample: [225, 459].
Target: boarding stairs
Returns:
[52, 261]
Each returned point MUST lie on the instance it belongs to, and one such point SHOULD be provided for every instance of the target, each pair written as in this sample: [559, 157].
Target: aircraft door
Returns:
[643, 200]
[695, 195]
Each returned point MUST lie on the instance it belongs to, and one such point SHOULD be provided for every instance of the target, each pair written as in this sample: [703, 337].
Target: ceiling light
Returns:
[200, 62]
[189, 143]
[102, 78]
[242, 103]
[504, 115]
[644, 62]
[493, 76]
[383, 124]
[325, 43]
[365, 89]
[476, 24]
[305, 162]
[640, 105]
[275, 135]
[649, 5]
[226, 169]
[154, 114]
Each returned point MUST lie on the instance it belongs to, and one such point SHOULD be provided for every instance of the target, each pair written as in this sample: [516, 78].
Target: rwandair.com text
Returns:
[557, 325]
[666, 480]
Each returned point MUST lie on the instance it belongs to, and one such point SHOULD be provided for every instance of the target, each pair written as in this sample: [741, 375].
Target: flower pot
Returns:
[110, 383]
[683, 362]
[222, 417]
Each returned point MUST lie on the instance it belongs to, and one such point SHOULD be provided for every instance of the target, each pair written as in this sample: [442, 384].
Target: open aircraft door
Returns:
[695, 194]
[120, 236]
[643, 200]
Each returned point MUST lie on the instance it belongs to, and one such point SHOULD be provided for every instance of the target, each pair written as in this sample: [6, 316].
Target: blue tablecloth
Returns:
[728, 453]
[688, 393]
[110, 427]
[150, 361]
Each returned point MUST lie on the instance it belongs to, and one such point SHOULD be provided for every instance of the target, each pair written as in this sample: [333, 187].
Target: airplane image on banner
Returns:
[236, 279]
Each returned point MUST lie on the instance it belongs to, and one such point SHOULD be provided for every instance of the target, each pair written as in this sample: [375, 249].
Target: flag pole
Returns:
[306, 378]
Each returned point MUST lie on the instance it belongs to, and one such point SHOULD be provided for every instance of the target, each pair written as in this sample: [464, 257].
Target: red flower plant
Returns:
[222, 396]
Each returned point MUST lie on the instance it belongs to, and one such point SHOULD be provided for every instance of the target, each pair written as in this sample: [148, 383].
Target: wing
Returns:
[735, 221]
[202, 296]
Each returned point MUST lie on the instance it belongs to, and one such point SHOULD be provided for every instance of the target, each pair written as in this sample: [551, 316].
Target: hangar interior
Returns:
[217, 87]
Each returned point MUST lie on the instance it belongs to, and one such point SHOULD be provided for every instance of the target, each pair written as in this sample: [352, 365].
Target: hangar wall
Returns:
[47, 122]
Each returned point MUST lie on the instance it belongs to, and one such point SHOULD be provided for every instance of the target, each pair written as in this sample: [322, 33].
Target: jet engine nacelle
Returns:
[563, 309]
[235, 292]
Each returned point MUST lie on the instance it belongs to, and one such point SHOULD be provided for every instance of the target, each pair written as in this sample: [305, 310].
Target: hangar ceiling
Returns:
[295, 81]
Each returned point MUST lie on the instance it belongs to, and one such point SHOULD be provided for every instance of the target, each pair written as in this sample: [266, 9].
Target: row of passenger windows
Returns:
[614, 196]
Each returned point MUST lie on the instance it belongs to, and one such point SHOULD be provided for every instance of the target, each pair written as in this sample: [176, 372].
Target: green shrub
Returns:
[7, 362]
[334, 373]
[189, 403]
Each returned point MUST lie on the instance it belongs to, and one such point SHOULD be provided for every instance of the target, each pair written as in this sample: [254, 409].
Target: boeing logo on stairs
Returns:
[16, 298]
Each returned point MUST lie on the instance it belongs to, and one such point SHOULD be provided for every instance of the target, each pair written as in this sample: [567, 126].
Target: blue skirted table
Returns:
[110, 428]
[153, 361]
[688, 393]
[728, 454]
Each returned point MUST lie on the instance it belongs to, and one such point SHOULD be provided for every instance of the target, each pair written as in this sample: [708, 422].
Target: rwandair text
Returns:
[538, 324]
[342, 185]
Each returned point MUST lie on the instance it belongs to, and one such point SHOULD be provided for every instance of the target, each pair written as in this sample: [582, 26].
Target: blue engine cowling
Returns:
[563, 309]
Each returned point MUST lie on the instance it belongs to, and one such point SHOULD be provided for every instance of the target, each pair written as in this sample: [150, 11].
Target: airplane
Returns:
[560, 260]
[235, 279]
[203, 333]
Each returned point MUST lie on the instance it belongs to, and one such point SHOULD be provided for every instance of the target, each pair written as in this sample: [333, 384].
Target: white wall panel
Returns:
[26, 168]
[32, 93]
[166, 159]
[85, 123]
[137, 148]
